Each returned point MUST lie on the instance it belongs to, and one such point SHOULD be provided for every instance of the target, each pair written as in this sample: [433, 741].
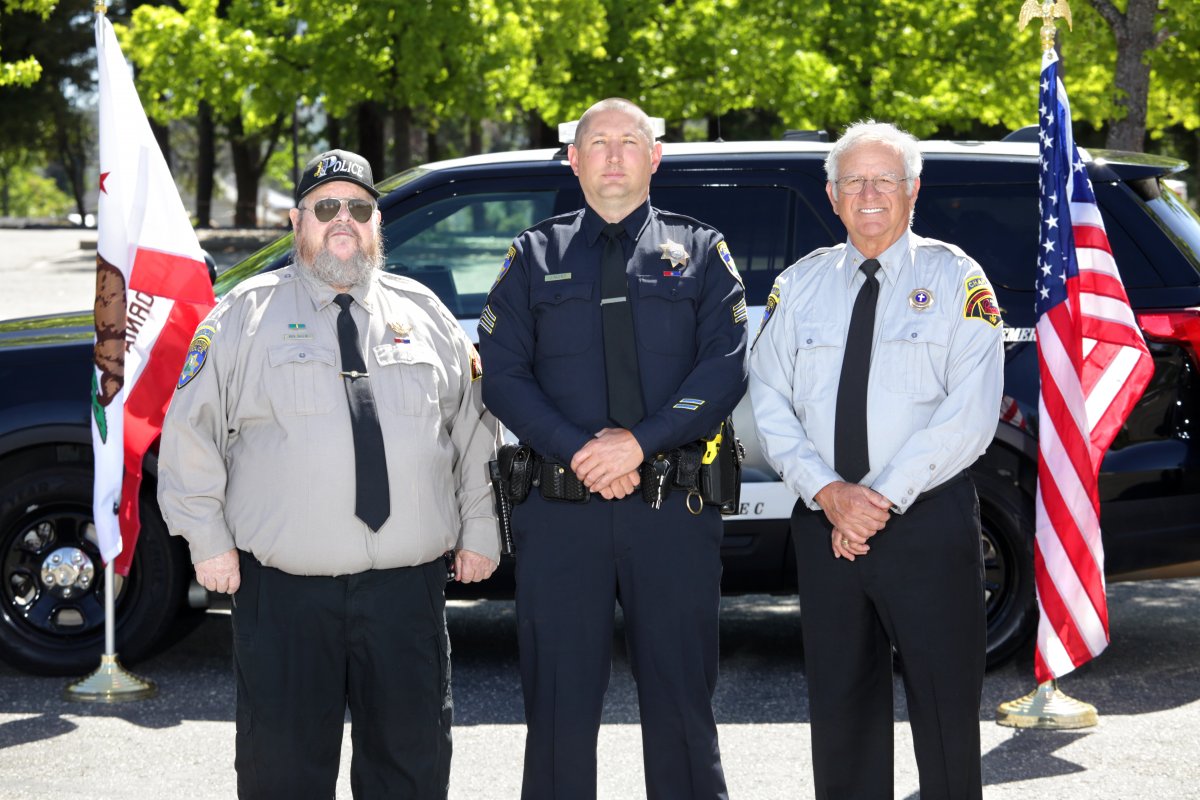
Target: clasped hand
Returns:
[608, 464]
[857, 513]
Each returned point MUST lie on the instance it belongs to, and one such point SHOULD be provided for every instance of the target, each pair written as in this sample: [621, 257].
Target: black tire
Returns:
[1007, 524]
[42, 632]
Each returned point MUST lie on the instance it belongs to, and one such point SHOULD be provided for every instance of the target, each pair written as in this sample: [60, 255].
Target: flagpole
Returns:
[110, 682]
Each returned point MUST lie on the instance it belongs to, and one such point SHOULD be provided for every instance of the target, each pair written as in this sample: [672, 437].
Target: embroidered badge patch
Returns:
[727, 257]
[197, 353]
[508, 259]
[673, 251]
[688, 404]
[487, 320]
[772, 304]
[739, 312]
[981, 302]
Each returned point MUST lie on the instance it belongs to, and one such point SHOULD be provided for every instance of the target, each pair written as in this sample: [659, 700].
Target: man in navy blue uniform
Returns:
[598, 376]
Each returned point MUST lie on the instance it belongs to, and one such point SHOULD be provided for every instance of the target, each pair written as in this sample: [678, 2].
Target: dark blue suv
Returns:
[449, 224]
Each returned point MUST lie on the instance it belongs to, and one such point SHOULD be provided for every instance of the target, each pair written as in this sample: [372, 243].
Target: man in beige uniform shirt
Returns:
[326, 445]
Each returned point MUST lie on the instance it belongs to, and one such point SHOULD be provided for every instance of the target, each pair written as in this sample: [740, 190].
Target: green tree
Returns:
[26, 71]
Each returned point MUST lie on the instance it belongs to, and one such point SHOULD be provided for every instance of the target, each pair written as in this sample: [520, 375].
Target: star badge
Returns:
[673, 251]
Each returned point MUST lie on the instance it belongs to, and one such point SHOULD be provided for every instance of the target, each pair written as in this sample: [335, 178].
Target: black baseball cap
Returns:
[336, 165]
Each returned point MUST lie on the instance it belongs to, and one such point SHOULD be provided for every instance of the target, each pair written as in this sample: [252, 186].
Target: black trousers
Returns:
[306, 647]
[572, 563]
[919, 589]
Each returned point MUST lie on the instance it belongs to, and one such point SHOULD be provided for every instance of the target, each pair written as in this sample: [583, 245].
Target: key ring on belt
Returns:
[699, 502]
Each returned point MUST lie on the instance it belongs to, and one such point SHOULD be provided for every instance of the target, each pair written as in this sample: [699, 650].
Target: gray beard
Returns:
[354, 271]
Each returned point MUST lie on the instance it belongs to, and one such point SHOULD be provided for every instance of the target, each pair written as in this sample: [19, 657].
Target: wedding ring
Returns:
[845, 542]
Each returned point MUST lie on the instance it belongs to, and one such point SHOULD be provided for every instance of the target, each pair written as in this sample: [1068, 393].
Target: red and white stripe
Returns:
[1094, 366]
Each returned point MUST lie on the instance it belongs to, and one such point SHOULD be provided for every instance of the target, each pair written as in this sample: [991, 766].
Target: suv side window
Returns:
[767, 227]
[455, 245]
[995, 224]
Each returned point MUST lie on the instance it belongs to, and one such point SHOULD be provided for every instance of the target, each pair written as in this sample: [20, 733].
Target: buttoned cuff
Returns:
[481, 535]
[902, 489]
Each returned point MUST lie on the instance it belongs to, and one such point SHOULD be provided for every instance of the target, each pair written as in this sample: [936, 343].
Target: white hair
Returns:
[871, 132]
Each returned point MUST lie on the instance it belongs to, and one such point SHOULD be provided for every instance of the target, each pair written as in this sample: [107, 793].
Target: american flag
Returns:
[1093, 365]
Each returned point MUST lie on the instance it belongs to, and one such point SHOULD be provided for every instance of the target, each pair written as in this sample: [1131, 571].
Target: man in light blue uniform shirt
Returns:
[876, 380]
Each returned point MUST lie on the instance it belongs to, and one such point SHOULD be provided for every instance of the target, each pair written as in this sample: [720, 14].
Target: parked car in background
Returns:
[448, 226]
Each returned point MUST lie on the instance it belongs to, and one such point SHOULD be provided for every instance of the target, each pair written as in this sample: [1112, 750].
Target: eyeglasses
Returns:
[884, 184]
[325, 210]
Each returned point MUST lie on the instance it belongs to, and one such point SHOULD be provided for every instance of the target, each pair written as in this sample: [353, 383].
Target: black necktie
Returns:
[851, 456]
[620, 348]
[372, 503]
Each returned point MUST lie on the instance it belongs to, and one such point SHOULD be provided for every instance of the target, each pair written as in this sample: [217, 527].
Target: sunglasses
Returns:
[330, 207]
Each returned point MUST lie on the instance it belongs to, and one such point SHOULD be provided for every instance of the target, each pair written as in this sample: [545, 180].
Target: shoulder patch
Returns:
[727, 257]
[981, 301]
[772, 304]
[487, 320]
[197, 353]
[508, 259]
[739, 311]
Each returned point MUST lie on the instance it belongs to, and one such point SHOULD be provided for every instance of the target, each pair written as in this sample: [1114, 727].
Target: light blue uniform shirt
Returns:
[936, 375]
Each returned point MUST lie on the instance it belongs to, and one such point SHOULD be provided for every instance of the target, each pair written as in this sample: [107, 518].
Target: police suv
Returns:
[449, 224]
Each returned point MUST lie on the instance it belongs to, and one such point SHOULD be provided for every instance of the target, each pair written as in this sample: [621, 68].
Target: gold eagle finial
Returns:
[1047, 10]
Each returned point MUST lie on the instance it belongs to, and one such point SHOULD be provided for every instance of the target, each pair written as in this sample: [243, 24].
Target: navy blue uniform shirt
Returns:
[543, 349]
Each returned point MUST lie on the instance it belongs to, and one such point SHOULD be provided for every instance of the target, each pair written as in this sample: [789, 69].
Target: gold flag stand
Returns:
[110, 683]
[1047, 708]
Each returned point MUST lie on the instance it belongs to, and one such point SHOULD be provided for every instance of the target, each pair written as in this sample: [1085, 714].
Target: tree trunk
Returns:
[370, 136]
[1135, 38]
[402, 153]
[433, 151]
[206, 164]
[474, 137]
[541, 134]
[333, 132]
[162, 135]
[70, 134]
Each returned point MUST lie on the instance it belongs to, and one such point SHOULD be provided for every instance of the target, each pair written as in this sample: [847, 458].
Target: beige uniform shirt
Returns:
[257, 451]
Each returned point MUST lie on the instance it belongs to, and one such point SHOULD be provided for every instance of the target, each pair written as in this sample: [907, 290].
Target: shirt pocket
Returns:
[565, 319]
[912, 356]
[818, 364]
[302, 379]
[407, 378]
[666, 314]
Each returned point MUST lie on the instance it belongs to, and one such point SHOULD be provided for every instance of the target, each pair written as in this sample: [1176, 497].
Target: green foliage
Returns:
[953, 66]
[25, 192]
[26, 71]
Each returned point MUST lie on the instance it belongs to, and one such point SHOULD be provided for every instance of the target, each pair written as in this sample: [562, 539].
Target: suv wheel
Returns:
[1006, 517]
[52, 577]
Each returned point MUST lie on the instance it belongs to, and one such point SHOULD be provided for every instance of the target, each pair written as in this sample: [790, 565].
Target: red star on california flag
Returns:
[103, 175]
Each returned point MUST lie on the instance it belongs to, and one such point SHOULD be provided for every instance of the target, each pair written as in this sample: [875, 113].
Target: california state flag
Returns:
[152, 289]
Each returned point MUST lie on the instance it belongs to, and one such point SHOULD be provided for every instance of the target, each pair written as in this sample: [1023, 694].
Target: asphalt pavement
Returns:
[180, 743]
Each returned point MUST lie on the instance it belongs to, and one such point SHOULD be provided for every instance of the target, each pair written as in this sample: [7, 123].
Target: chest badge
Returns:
[920, 299]
[402, 330]
[673, 251]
